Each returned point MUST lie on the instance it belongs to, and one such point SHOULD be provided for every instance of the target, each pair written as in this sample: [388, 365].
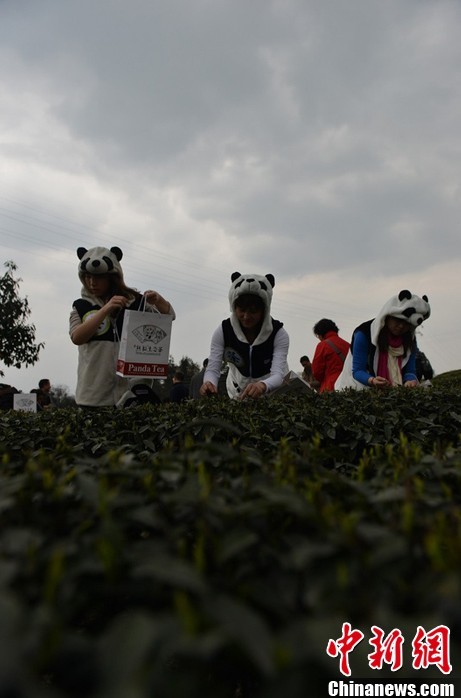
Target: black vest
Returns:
[105, 332]
[252, 364]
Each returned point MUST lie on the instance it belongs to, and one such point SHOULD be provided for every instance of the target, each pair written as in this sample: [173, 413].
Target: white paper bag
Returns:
[25, 402]
[144, 344]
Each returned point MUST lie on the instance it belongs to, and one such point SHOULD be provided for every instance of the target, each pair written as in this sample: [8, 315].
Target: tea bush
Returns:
[213, 548]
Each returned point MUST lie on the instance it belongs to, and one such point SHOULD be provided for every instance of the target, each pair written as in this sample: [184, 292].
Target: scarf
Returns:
[390, 361]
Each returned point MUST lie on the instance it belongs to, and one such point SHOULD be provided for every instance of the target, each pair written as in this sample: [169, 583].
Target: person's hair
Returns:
[248, 300]
[179, 375]
[323, 326]
[408, 339]
[304, 358]
[42, 382]
[117, 287]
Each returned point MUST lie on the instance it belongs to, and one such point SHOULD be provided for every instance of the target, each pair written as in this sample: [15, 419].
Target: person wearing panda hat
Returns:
[96, 323]
[254, 345]
[383, 350]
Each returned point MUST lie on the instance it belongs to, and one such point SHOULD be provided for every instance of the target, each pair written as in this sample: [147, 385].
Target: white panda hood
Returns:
[98, 260]
[255, 285]
[405, 306]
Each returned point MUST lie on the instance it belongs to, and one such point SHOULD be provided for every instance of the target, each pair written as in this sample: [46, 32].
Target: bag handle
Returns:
[142, 305]
[335, 348]
[142, 309]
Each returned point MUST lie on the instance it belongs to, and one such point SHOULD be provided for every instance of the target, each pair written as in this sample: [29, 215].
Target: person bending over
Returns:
[254, 345]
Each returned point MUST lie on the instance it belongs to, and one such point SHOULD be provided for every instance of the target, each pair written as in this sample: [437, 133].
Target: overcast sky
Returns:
[318, 141]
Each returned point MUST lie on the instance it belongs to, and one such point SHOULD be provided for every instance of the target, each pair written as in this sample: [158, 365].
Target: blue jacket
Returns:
[363, 355]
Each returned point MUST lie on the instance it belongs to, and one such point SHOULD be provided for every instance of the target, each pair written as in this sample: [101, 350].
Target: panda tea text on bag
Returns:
[144, 344]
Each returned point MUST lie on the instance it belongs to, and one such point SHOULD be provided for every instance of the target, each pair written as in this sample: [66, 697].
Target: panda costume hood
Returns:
[255, 285]
[405, 306]
[99, 260]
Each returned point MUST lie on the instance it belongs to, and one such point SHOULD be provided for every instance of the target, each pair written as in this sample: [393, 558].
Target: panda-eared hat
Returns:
[405, 306]
[254, 285]
[99, 260]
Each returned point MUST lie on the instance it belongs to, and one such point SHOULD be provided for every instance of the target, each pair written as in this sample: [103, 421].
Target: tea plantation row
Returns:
[213, 548]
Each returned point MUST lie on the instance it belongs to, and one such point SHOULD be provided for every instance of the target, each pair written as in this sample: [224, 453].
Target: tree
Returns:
[62, 397]
[17, 339]
[188, 367]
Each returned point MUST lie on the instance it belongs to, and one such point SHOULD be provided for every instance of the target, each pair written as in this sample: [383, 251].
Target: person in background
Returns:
[44, 386]
[307, 374]
[330, 354]
[383, 350]
[42, 403]
[96, 320]
[196, 381]
[307, 368]
[254, 345]
[7, 393]
[424, 370]
[180, 391]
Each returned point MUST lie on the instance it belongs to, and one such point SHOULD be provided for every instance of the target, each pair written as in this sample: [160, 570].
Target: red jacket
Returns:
[327, 363]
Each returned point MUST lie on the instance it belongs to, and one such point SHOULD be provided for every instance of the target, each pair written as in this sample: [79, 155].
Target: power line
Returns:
[173, 274]
[203, 280]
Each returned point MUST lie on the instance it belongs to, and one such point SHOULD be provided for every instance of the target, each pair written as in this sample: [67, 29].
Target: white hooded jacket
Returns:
[261, 286]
